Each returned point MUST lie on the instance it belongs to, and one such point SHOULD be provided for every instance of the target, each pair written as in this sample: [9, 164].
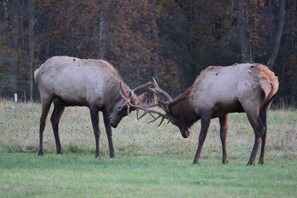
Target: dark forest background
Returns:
[172, 40]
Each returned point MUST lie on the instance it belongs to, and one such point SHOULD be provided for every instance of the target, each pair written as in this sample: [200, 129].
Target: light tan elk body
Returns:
[68, 81]
[216, 92]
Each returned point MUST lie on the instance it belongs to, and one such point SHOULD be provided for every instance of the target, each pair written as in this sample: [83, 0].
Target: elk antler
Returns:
[153, 87]
[158, 90]
[143, 87]
[146, 110]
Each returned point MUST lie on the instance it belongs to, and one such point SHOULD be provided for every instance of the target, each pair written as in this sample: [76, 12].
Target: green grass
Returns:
[80, 175]
[150, 161]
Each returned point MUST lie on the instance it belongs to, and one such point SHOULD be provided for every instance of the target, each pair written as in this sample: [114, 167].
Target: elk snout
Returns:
[185, 133]
[113, 124]
[114, 121]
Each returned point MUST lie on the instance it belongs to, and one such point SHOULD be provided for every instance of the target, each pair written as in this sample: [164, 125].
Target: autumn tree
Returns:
[172, 40]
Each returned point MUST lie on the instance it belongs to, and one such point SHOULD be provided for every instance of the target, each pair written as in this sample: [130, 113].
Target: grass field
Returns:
[150, 161]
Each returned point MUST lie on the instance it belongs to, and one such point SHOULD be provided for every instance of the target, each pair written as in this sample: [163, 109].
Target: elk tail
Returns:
[36, 73]
[269, 83]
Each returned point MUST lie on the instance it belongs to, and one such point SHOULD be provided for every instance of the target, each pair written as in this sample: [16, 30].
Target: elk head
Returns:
[166, 106]
[122, 108]
[174, 118]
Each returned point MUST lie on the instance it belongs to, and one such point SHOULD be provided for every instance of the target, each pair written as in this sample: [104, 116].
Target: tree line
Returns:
[172, 40]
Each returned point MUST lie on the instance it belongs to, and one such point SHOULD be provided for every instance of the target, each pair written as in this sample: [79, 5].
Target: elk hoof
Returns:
[196, 162]
[250, 163]
[97, 156]
[225, 161]
[59, 151]
[261, 163]
[40, 153]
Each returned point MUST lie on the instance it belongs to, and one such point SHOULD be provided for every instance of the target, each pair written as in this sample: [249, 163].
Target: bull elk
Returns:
[68, 81]
[216, 92]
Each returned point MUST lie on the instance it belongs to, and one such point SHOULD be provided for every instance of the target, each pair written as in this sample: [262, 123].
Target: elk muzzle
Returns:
[114, 121]
[185, 133]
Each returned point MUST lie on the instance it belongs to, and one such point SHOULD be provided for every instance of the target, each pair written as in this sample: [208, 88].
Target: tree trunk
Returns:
[243, 41]
[31, 46]
[271, 18]
[101, 43]
[278, 36]
[156, 43]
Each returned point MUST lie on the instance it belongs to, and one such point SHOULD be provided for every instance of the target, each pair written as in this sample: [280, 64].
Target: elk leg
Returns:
[95, 123]
[46, 104]
[259, 130]
[263, 115]
[55, 119]
[261, 160]
[108, 133]
[223, 134]
[203, 131]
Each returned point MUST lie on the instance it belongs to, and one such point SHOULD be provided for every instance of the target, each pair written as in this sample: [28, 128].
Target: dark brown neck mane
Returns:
[182, 107]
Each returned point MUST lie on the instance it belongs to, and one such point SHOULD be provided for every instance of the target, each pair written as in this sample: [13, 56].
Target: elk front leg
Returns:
[95, 124]
[108, 133]
[223, 134]
[205, 121]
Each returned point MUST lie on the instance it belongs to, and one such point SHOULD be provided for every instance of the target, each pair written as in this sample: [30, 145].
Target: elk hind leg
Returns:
[259, 130]
[46, 104]
[55, 119]
[223, 135]
[263, 115]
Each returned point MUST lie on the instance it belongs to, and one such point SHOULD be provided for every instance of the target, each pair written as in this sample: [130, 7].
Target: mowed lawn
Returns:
[150, 161]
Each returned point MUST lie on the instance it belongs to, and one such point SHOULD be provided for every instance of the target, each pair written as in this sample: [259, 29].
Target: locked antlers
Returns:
[154, 88]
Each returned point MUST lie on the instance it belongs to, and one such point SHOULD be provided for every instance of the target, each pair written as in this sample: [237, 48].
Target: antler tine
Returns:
[158, 90]
[145, 112]
[161, 121]
[144, 86]
[157, 119]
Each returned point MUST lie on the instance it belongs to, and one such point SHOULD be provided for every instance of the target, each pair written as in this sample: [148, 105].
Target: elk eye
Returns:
[119, 108]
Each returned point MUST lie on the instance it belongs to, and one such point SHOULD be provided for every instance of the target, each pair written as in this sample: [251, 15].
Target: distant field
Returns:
[150, 161]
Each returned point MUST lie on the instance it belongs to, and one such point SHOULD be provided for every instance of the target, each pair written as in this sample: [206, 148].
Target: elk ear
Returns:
[138, 99]
[142, 96]
[124, 92]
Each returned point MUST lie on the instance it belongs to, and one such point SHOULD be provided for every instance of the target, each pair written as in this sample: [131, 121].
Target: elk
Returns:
[69, 81]
[216, 92]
